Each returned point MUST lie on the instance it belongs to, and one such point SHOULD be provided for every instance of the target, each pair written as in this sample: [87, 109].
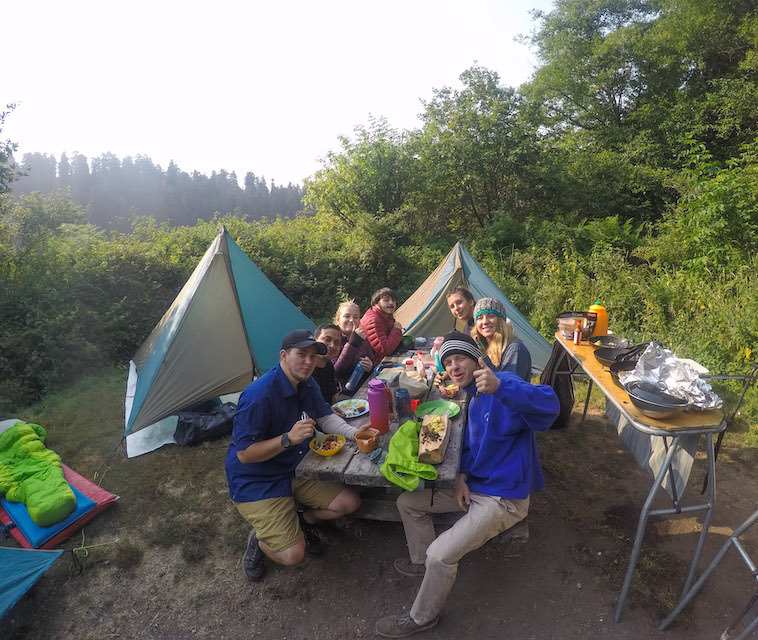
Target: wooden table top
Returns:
[584, 354]
[350, 466]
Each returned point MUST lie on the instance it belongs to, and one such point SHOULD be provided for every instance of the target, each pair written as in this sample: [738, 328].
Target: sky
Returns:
[241, 85]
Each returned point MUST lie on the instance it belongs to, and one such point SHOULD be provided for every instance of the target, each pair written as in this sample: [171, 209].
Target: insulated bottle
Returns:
[403, 404]
[377, 406]
[355, 378]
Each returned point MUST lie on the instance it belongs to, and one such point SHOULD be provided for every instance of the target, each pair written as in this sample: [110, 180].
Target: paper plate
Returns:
[352, 408]
[437, 407]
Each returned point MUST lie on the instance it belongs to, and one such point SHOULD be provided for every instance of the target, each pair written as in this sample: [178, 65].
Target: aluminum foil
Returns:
[660, 367]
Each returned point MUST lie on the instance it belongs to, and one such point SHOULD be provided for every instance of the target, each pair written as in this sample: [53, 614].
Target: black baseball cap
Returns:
[302, 339]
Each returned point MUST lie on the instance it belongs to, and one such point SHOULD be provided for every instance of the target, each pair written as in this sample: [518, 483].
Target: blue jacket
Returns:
[499, 449]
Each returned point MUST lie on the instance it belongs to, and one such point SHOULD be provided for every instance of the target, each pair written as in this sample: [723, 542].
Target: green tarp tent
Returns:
[426, 312]
[224, 328]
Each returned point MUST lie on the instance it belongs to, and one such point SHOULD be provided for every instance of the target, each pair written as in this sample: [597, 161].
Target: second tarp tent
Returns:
[426, 312]
[224, 328]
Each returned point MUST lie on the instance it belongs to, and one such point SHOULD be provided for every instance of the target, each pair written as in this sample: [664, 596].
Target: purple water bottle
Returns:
[377, 406]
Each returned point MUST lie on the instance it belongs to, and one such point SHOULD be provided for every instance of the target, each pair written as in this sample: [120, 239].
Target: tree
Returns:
[370, 174]
[475, 151]
[8, 170]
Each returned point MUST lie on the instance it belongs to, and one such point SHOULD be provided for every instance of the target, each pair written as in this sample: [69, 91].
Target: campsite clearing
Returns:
[169, 564]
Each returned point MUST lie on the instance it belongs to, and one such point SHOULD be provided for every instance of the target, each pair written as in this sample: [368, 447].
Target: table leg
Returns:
[586, 402]
[641, 525]
[708, 512]
[733, 540]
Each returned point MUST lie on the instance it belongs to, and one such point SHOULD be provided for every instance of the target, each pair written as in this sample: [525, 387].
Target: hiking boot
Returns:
[401, 626]
[253, 562]
[408, 568]
[313, 546]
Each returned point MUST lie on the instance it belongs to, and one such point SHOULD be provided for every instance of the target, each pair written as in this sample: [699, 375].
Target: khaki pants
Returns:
[487, 516]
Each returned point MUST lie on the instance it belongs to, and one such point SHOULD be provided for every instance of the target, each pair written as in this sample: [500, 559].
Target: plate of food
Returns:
[352, 408]
[328, 445]
[437, 408]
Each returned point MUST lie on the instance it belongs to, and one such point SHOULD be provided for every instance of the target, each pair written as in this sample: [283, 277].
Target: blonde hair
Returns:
[347, 303]
[497, 344]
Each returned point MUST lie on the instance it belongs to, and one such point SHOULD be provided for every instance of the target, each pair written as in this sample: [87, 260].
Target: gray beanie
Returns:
[490, 305]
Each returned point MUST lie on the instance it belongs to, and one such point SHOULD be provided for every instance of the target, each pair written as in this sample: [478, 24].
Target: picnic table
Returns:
[671, 436]
[351, 467]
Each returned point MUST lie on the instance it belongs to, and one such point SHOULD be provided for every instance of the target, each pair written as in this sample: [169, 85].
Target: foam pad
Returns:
[90, 500]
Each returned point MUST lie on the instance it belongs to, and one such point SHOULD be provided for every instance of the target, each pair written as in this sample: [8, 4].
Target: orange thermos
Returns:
[601, 326]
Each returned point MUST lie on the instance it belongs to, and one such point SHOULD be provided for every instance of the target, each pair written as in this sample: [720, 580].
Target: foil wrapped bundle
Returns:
[660, 367]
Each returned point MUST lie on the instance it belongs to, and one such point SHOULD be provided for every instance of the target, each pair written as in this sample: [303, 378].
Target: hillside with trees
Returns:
[625, 171]
[114, 191]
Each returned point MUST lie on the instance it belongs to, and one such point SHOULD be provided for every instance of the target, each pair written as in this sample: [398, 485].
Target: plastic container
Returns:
[409, 365]
[601, 324]
[378, 410]
[419, 364]
[355, 378]
[403, 404]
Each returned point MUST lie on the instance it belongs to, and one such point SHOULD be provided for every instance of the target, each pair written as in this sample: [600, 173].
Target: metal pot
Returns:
[610, 341]
[653, 402]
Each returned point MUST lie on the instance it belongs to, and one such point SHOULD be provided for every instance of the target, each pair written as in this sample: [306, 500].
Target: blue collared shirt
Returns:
[267, 408]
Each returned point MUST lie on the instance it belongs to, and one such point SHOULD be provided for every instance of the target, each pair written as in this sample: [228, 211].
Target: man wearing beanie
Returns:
[500, 468]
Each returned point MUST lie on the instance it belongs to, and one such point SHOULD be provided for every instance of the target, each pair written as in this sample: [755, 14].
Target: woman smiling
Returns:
[494, 335]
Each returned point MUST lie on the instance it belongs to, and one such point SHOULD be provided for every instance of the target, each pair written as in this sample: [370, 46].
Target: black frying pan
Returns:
[609, 355]
[619, 367]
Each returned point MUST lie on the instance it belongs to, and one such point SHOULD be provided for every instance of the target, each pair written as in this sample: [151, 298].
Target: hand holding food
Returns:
[440, 377]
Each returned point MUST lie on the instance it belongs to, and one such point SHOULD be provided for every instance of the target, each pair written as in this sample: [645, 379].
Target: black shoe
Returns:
[253, 562]
[313, 546]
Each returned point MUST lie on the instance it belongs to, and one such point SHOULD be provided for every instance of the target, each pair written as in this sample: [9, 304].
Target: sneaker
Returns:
[408, 568]
[313, 546]
[401, 626]
[253, 562]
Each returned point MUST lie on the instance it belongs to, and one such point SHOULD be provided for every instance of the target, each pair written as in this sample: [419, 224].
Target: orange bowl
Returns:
[317, 444]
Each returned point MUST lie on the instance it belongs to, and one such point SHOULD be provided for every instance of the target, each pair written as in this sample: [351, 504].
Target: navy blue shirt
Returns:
[267, 408]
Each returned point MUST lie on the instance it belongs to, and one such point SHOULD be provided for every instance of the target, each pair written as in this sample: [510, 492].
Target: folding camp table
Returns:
[674, 434]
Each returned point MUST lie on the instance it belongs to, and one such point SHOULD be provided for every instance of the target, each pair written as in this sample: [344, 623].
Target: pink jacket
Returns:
[380, 333]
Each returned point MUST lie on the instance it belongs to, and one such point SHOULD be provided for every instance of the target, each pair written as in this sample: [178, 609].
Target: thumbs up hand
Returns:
[486, 380]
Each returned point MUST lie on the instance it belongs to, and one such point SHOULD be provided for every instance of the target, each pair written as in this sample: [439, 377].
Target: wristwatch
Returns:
[285, 441]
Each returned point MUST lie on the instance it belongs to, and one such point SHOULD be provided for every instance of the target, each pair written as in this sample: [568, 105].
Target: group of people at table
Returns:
[278, 413]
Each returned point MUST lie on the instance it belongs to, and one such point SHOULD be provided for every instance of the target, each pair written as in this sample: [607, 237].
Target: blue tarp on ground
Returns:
[21, 569]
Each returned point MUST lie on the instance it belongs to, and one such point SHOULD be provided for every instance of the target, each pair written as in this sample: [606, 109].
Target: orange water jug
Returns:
[601, 326]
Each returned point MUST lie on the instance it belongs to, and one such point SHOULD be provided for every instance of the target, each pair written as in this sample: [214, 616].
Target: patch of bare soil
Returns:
[169, 561]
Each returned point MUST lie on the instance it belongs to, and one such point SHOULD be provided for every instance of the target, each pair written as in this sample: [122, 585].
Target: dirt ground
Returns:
[168, 560]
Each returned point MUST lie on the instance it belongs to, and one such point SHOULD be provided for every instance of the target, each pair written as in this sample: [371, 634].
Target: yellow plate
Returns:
[328, 452]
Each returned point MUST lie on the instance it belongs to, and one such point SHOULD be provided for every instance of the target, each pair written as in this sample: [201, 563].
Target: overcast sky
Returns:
[240, 85]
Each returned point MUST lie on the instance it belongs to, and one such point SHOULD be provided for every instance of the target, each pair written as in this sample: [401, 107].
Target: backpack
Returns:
[562, 384]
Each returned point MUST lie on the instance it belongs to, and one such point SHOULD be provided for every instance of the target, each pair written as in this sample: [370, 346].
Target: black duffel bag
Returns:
[194, 427]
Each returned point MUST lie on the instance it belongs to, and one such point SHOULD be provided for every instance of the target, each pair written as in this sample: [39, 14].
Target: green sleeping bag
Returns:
[32, 474]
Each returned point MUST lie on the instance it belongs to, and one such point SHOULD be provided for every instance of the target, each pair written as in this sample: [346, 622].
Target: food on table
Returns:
[352, 408]
[327, 444]
[431, 432]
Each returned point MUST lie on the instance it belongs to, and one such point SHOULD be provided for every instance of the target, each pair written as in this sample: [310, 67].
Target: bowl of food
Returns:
[449, 390]
[568, 319]
[327, 445]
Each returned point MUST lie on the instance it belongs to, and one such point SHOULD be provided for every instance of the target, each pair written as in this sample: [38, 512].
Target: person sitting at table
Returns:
[461, 303]
[500, 468]
[493, 333]
[382, 331]
[275, 420]
[355, 348]
[328, 335]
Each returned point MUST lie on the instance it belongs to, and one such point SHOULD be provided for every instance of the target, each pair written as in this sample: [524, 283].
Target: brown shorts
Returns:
[275, 519]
